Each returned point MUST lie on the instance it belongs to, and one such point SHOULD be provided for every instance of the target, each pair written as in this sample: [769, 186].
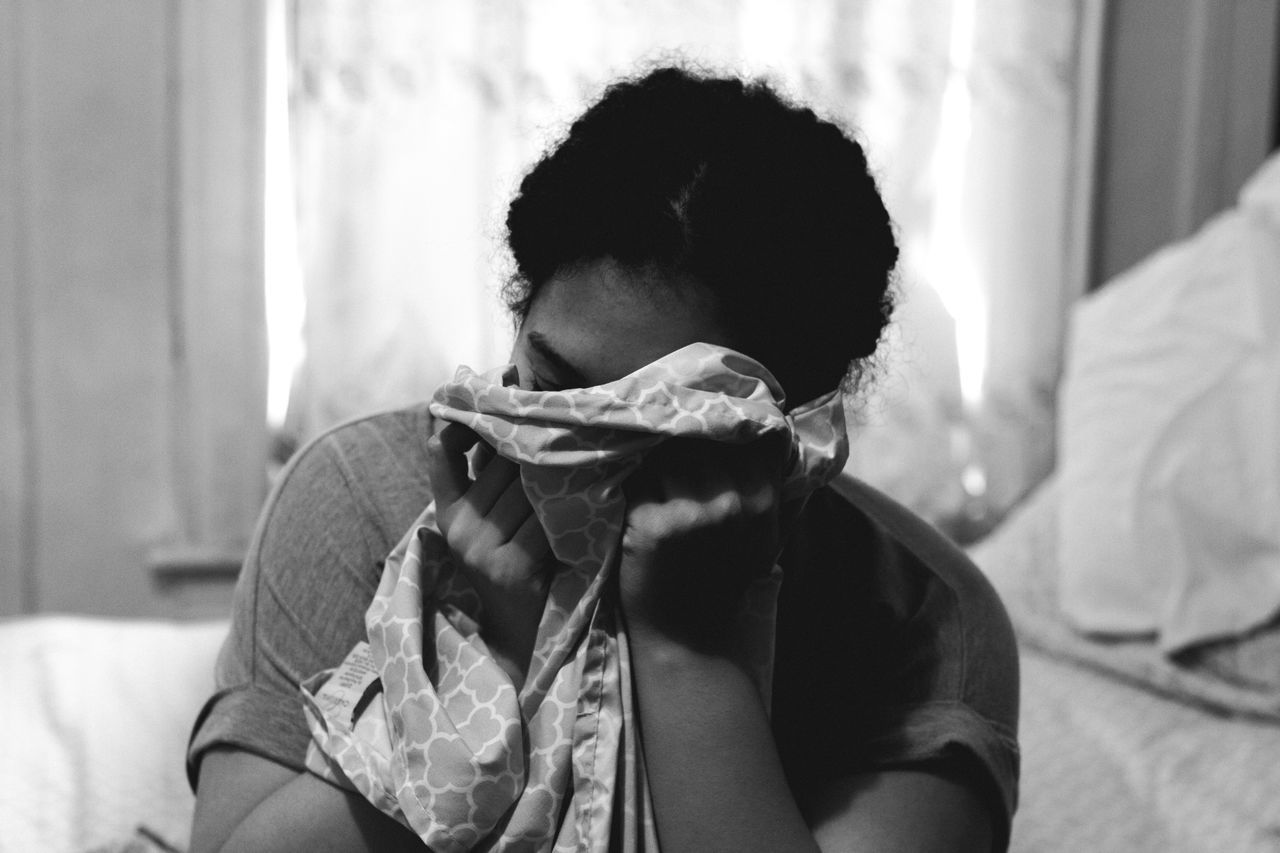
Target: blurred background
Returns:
[227, 225]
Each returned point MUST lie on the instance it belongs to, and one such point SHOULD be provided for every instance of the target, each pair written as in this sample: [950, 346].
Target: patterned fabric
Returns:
[422, 720]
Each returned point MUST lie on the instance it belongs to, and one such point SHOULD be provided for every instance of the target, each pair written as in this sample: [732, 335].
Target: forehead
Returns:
[608, 321]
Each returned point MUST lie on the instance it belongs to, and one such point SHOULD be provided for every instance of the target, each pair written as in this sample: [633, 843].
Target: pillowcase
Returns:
[1169, 437]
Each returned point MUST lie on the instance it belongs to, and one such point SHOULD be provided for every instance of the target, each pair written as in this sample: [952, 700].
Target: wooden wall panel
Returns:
[15, 552]
[218, 439]
[1186, 116]
[223, 326]
[132, 351]
[98, 134]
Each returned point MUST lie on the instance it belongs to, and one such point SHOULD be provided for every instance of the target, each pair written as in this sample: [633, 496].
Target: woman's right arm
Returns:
[248, 803]
[313, 565]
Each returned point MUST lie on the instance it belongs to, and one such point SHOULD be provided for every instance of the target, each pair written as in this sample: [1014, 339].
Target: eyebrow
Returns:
[568, 374]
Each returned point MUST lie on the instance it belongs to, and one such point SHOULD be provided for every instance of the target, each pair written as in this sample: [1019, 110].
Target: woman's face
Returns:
[600, 322]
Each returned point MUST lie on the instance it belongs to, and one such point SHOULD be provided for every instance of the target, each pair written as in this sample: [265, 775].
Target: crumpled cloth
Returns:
[1169, 437]
[424, 723]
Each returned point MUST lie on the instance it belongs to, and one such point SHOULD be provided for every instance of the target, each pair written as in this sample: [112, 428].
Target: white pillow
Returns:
[1169, 436]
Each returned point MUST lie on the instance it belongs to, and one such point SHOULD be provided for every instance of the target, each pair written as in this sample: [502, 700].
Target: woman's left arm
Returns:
[700, 526]
[717, 780]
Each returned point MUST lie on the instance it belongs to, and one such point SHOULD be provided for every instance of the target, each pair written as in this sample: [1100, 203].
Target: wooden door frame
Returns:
[1187, 110]
[211, 395]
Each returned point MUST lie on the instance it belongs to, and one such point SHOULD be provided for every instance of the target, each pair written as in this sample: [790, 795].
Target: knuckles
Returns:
[729, 508]
[762, 500]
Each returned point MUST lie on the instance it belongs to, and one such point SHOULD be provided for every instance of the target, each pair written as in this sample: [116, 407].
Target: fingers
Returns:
[645, 484]
[708, 477]
[481, 515]
[726, 477]
[702, 524]
[483, 456]
[509, 513]
[498, 478]
[447, 463]
[531, 539]
[455, 490]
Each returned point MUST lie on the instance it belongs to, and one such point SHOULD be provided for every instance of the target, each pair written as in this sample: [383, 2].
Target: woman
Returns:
[679, 210]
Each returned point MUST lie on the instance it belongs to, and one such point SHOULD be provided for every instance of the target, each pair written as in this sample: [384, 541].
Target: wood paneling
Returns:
[133, 357]
[1187, 99]
[15, 554]
[98, 139]
[221, 435]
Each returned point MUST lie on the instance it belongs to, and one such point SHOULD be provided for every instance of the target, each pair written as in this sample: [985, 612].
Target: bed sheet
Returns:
[1121, 750]
[94, 719]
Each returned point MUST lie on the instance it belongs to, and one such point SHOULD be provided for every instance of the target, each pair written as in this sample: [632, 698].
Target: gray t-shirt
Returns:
[892, 649]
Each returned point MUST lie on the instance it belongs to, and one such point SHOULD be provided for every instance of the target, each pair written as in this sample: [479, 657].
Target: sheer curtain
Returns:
[412, 121]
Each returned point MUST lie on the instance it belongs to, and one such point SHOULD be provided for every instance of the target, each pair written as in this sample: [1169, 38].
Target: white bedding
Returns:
[1122, 751]
[94, 716]
[1168, 436]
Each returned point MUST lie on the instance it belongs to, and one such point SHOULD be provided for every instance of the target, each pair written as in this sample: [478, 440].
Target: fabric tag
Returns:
[350, 687]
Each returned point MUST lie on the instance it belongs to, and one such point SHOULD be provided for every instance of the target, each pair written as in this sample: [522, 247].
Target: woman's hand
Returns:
[496, 539]
[702, 524]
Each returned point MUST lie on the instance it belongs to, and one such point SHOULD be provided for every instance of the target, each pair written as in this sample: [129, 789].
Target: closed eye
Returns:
[568, 375]
[540, 384]
[535, 382]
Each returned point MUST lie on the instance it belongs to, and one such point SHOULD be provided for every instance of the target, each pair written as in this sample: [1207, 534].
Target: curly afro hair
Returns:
[766, 204]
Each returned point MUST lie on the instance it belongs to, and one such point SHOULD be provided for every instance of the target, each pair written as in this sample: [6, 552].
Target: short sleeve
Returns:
[900, 652]
[334, 514]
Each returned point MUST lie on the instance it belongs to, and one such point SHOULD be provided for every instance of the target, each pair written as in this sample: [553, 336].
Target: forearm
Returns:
[714, 772]
[307, 814]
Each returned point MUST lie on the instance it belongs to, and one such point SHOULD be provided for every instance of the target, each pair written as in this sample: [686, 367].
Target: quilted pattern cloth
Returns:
[424, 723]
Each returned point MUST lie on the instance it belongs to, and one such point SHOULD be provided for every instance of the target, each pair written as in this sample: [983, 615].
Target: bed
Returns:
[95, 715]
[1123, 750]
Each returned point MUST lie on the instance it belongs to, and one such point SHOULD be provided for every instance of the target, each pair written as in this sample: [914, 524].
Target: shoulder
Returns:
[358, 453]
[890, 637]
[335, 512]
[865, 554]
[915, 562]
[372, 468]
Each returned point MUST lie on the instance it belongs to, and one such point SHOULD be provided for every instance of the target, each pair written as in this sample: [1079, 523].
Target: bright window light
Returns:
[284, 298]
